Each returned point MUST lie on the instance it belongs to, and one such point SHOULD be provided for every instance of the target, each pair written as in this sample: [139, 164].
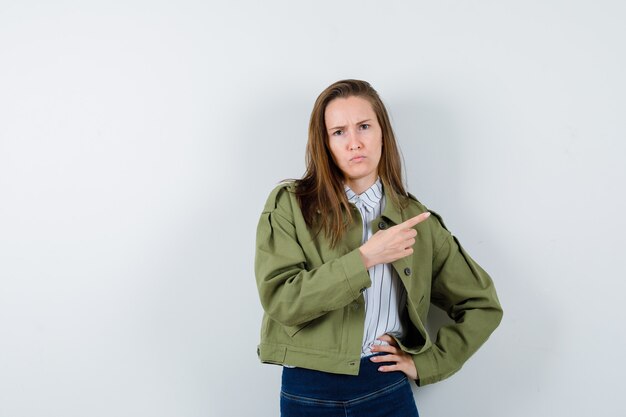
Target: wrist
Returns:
[366, 259]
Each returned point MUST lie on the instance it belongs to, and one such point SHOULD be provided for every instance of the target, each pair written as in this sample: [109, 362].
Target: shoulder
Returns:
[416, 207]
[281, 197]
[414, 203]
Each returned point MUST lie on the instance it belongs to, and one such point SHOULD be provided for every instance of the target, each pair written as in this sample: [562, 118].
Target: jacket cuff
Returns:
[427, 369]
[357, 277]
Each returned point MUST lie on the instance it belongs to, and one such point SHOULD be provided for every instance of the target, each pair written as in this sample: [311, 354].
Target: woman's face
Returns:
[355, 140]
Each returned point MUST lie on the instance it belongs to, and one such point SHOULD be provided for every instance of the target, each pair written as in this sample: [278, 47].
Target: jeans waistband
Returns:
[327, 386]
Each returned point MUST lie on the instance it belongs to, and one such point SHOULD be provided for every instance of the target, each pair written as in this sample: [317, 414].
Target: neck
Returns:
[361, 184]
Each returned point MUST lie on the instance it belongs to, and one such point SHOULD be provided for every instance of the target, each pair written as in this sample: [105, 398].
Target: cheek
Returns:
[335, 153]
[379, 145]
[379, 152]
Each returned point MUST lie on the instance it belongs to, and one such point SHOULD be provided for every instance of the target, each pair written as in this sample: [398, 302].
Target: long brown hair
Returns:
[320, 192]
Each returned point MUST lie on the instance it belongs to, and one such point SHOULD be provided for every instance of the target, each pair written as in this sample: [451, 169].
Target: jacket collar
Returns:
[390, 210]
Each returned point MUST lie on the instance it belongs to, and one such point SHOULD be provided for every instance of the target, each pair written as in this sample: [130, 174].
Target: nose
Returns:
[354, 143]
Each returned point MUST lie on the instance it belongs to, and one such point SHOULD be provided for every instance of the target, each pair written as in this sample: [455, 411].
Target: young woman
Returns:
[347, 265]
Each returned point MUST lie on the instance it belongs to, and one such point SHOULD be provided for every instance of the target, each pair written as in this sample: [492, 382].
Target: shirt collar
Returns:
[370, 198]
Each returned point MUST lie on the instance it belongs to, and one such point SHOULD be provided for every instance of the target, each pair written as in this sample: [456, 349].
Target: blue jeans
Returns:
[308, 393]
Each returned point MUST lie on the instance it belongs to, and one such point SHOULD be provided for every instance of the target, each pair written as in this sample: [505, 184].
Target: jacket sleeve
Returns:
[466, 292]
[291, 293]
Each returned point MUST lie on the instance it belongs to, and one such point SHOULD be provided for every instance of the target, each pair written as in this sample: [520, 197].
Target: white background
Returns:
[139, 140]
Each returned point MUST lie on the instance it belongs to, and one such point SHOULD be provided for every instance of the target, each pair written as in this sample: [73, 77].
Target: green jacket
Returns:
[314, 309]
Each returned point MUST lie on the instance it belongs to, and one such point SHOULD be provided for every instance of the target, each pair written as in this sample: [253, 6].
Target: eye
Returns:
[365, 126]
[338, 132]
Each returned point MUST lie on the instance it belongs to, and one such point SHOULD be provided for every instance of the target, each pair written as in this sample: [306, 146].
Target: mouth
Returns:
[357, 158]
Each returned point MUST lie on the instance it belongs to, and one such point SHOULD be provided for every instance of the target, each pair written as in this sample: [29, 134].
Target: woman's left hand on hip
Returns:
[403, 361]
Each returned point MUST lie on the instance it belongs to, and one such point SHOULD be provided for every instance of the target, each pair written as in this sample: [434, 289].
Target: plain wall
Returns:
[139, 141]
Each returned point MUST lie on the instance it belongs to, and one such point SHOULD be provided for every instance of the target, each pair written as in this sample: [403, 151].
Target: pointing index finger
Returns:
[415, 220]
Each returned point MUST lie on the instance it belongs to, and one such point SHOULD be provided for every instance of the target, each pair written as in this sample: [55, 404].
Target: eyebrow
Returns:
[358, 123]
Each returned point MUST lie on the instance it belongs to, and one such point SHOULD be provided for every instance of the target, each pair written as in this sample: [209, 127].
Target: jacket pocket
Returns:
[324, 332]
[293, 330]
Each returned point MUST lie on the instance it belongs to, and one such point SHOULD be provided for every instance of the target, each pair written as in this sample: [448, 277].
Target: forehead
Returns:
[348, 110]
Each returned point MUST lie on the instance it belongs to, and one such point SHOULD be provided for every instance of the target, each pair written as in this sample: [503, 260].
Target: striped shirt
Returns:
[386, 298]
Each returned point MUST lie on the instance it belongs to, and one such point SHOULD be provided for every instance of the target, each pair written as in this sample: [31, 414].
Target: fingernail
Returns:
[427, 214]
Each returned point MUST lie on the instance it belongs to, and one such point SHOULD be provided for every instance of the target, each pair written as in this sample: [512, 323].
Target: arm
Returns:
[466, 292]
[290, 292]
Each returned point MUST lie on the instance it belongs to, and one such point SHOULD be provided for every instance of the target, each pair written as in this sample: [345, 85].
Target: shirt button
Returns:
[407, 271]
[362, 289]
[382, 225]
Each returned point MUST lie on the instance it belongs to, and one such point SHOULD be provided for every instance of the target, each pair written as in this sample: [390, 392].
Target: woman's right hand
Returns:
[389, 245]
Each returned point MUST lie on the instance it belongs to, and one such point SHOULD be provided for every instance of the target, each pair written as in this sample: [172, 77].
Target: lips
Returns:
[357, 158]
